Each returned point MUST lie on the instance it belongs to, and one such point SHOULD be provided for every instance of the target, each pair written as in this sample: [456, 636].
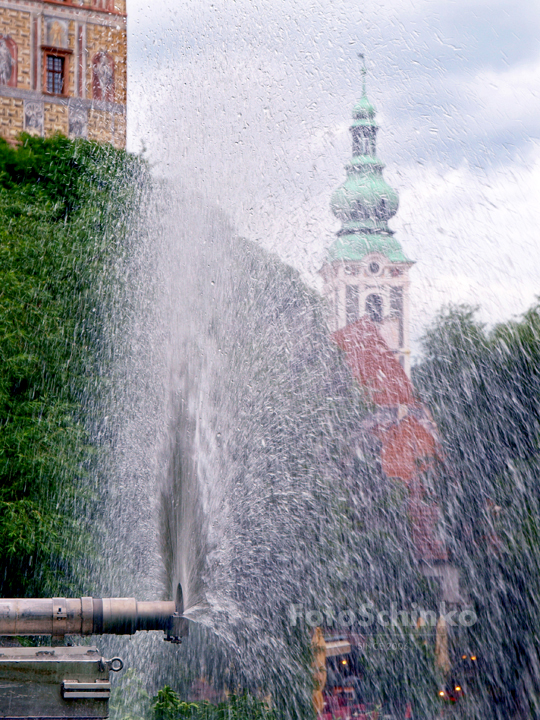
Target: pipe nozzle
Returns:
[92, 616]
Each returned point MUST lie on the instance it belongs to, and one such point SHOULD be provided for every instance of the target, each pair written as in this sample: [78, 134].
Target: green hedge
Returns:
[168, 706]
[65, 209]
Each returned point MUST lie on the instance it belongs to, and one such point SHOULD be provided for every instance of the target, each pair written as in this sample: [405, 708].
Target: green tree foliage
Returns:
[168, 706]
[484, 390]
[64, 213]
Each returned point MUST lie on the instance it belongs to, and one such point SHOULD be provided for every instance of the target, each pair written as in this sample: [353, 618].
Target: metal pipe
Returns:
[92, 616]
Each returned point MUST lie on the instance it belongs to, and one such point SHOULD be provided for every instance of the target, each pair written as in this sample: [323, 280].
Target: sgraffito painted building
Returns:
[63, 69]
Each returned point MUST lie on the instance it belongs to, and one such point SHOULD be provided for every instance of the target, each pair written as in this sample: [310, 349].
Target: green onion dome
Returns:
[365, 202]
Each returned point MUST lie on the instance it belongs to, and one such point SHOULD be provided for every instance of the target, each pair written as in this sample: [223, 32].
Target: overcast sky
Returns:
[249, 101]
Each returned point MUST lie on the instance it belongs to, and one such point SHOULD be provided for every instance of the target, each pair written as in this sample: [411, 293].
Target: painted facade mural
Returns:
[57, 33]
[78, 122]
[8, 61]
[103, 77]
[63, 69]
[33, 118]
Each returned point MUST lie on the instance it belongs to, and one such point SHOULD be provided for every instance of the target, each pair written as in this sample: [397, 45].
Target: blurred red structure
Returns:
[409, 448]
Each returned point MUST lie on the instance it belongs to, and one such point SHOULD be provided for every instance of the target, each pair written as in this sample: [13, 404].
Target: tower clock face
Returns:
[374, 267]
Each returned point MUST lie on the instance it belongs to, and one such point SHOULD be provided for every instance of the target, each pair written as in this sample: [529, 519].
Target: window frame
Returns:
[64, 54]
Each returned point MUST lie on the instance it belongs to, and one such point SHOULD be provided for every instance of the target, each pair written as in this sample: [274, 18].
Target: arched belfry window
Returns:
[361, 143]
[374, 308]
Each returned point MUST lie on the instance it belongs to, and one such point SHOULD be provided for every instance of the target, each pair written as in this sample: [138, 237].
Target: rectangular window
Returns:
[351, 304]
[396, 301]
[396, 308]
[55, 74]
[103, 4]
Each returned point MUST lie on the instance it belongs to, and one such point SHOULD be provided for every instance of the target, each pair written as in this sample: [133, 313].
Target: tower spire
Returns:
[366, 272]
[364, 72]
[365, 202]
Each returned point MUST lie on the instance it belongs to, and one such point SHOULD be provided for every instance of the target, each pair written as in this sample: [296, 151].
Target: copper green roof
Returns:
[365, 195]
[356, 247]
[365, 201]
[363, 109]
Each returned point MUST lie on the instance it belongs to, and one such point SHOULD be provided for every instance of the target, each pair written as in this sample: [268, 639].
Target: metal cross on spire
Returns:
[364, 71]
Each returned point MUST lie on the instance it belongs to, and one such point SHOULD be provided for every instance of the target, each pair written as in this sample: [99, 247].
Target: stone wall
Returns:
[56, 119]
[93, 43]
[11, 117]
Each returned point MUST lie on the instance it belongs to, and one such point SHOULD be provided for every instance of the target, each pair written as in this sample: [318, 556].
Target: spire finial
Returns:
[364, 71]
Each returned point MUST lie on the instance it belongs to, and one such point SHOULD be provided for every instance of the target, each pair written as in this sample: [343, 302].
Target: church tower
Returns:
[366, 272]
